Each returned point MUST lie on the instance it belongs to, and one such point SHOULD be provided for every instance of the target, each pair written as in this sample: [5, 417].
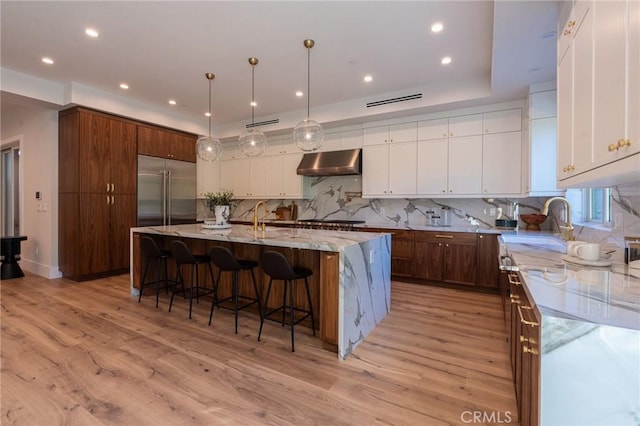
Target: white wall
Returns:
[38, 129]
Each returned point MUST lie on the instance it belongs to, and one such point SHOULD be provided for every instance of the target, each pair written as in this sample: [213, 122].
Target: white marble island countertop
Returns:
[600, 295]
[316, 239]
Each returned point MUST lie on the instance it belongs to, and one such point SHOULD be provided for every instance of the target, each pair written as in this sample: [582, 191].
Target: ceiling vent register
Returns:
[262, 123]
[394, 100]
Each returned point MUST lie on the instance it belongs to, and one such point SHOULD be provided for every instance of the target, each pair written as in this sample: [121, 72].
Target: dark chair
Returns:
[153, 253]
[183, 257]
[227, 262]
[277, 267]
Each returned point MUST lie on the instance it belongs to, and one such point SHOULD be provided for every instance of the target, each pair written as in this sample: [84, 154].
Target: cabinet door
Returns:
[375, 135]
[487, 271]
[95, 234]
[432, 167]
[332, 142]
[582, 94]
[402, 254]
[465, 166]
[543, 155]
[242, 177]
[433, 129]
[94, 153]
[402, 168]
[124, 157]
[429, 259]
[502, 163]
[151, 141]
[375, 170]
[274, 175]
[227, 175]
[460, 262]
[565, 115]
[633, 78]
[122, 218]
[509, 120]
[405, 132]
[183, 147]
[352, 139]
[465, 125]
[291, 181]
[208, 177]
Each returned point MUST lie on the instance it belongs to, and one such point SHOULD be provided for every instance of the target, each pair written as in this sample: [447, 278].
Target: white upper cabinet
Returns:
[405, 132]
[502, 163]
[465, 166]
[509, 120]
[207, 176]
[348, 139]
[465, 125]
[598, 94]
[389, 170]
[375, 170]
[433, 169]
[433, 129]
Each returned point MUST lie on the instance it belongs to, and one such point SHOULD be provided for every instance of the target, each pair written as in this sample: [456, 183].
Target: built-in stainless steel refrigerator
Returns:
[166, 191]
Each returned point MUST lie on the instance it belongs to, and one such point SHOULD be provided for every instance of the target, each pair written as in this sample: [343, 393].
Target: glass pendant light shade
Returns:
[208, 147]
[308, 134]
[253, 143]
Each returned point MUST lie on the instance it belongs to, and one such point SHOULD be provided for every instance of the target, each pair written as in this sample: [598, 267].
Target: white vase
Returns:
[222, 215]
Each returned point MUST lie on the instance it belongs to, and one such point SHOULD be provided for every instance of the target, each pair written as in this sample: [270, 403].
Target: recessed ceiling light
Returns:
[299, 94]
[437, 27]
[124, 86]
[254, 104]
[368, 78]
[172, 102]
[91, 32]
[207, 114]
[446, 60]
[47, 60]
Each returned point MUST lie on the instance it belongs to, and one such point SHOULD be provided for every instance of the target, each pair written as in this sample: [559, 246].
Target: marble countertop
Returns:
[390, 227]
[599, 295]
[313, 239]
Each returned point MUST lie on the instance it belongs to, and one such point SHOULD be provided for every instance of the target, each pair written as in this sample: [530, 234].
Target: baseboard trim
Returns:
[47, 271]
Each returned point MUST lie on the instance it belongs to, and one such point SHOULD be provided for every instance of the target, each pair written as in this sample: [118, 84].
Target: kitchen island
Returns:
[350, 287]
[589, 333]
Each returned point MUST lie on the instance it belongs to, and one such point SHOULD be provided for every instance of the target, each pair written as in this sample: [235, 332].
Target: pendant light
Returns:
[208, 147]
[253, 142]
[308, 134]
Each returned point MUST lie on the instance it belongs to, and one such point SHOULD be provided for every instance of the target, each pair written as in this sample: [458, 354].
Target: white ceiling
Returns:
[163, 49]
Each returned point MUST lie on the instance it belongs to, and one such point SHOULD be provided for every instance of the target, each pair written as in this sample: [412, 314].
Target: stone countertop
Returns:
[390, 227]
[312, 239]
[599, 295]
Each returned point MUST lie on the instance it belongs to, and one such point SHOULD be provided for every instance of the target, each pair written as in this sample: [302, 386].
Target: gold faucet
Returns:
[255, 214]
[568, 228]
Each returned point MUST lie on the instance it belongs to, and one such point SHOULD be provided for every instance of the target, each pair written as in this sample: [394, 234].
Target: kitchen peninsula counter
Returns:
[351, 281]
[590, 335]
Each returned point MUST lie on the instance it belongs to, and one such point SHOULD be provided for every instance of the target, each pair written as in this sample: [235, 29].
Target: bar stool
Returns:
[183, 257]
[227, 262]
[277, 267]
[149, 247]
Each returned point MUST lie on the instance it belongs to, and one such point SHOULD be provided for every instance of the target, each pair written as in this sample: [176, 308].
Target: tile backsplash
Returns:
[332, 198]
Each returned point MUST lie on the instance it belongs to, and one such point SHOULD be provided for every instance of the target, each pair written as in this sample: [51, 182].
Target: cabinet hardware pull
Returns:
[480, 236]
[613, 147]
[571, 24]
[515, 300]
[566, 32]
[444, 236]
[524, 321]
[513, 279]
[107, 199]
[622, 143]
[113, 187]
[529, 340]
[113, 200]
[528, 350]
[107, 186]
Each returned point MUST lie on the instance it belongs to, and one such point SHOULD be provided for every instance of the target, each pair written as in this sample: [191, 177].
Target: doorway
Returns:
[10, 188]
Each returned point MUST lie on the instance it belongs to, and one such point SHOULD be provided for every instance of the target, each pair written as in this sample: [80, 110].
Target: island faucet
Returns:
[255, 214]
[568, 228]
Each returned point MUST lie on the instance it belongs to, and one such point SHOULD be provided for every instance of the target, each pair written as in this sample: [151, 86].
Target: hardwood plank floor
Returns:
[88, 354]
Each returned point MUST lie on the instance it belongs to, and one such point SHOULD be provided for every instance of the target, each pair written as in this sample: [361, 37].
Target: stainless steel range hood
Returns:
[331, 163]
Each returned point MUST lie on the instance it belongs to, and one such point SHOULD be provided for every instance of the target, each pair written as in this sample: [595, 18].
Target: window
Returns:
[597, 208]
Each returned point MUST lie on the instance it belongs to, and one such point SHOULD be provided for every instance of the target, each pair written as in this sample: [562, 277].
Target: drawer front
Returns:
[452, 237]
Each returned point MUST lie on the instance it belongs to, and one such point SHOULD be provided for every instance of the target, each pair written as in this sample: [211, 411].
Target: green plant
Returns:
[220, 198]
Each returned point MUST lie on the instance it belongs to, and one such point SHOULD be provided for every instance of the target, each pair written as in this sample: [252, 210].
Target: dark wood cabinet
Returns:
[449, 257]
[524, 344]
[402, 253]
[487, 270]
[97, 192]
[165, 143]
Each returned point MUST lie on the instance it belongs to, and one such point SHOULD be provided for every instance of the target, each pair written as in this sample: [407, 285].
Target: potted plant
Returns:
[219, 203]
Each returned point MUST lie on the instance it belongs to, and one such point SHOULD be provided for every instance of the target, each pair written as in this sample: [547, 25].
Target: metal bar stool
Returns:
[154, 253]
[277, 267]
[183, 257]
[227, 262]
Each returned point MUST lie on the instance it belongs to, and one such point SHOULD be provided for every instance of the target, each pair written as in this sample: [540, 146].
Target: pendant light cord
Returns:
[253, 98]
[308, 79]
[210, 113]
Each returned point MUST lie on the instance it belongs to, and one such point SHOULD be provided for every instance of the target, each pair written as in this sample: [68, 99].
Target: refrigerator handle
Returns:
[164, 198]
[169, 196]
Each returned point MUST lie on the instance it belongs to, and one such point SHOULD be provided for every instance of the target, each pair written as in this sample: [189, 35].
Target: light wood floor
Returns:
[88, 353]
